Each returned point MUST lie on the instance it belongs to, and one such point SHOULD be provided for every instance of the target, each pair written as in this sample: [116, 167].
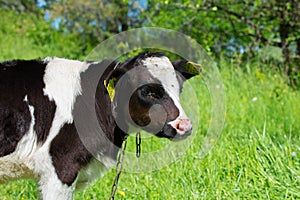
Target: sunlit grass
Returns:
[256, 157]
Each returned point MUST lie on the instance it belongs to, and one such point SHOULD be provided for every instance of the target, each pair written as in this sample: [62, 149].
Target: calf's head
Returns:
[147, 95]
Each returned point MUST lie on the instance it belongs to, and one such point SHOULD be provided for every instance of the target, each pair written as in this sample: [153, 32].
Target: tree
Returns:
[21, 6]
[26, 36]
[95, 19]
[222, 27]
[272, 22]
[235, 26]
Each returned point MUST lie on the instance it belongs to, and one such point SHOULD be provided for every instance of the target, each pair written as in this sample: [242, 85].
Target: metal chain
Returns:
[138, 141]
[120, 159]
[119, 167]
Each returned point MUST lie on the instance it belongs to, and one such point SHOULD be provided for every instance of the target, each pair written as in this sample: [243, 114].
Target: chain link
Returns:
[120, 159]
[119, 168]
[138, 141]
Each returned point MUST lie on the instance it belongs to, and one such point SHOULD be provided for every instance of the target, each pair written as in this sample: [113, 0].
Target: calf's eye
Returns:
[152, 91]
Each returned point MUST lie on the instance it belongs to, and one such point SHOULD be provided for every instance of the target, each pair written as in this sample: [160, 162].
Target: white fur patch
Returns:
[62, 84]
[53, 189]
[162, 69]
[27, 146]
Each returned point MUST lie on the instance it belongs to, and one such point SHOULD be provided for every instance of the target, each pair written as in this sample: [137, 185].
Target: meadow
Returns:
[257, 156]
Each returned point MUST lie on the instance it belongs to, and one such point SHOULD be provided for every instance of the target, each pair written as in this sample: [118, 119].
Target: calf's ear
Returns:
[186, 68]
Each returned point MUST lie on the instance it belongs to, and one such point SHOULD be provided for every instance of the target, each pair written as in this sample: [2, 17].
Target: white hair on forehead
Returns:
[162, 69]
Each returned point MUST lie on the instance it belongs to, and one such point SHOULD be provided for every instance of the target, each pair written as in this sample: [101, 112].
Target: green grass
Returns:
[257, 155]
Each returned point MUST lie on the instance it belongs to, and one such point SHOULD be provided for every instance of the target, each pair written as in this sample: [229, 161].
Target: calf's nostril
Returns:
[184, 126]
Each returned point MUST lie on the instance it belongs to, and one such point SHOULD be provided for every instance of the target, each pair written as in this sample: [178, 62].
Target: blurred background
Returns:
[243, 30]
[256, 44]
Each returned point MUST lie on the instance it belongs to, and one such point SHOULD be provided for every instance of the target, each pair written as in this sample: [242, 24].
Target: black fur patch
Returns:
[68, 154]
[17, 79]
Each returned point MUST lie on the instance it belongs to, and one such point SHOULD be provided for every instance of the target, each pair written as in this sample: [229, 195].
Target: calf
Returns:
[38, 100]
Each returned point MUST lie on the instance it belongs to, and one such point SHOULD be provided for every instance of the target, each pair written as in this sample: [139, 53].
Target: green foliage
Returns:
[25, 36]
[20, 6]
[95, 20]
[234, 28]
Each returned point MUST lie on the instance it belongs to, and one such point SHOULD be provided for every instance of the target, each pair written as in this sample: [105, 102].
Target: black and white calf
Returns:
[38, 136]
